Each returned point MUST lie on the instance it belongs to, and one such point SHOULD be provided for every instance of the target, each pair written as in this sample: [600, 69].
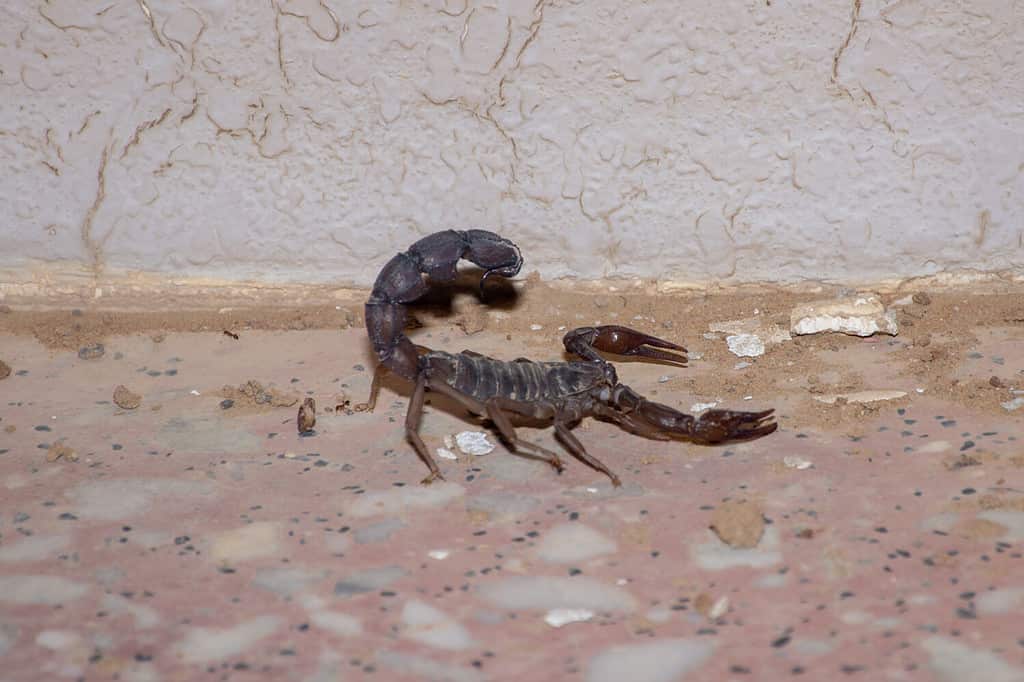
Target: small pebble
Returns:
[126, 399]
[5, 370]
[91, 352]
[922, 298]
[306, 418]
[227, 404]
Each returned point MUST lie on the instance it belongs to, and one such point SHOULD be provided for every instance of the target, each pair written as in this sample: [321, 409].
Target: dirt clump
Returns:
[738, 523]
[253, 394]
[61, 451]
[306, 418]
[126, 399]
[5, 370]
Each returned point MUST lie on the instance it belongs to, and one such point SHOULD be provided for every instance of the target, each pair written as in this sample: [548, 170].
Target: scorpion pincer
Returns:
[560, 393]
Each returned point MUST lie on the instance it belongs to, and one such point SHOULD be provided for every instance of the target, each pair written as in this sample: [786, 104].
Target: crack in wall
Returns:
[142, 128]
[152, 22]
[94, 248]
[854, 19]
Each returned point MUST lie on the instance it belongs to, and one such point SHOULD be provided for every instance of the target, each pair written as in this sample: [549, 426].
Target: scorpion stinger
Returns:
[561, 393]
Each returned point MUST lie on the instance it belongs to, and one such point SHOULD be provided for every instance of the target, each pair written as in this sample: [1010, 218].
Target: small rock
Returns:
[306, 419]
[857, 316]
[921, 298]
[996, 382]
[227, 404]
[91, 352]
[5, 370]
[745, 345]
[445, 453]
[738, 523]
[125, 399]
[711, 608]
[474, 443]
[58, 451]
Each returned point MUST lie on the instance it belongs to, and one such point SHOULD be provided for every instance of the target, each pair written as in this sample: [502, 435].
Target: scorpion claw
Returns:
[715, 426]
[612, 338]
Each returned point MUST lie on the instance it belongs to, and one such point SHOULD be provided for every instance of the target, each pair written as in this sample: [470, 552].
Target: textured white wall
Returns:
[300, 140]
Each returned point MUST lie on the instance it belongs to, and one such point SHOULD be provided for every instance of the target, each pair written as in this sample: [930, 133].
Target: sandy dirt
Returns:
[937, 331]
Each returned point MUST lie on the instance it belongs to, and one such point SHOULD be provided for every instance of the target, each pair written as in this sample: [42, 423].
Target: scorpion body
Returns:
[559, 393]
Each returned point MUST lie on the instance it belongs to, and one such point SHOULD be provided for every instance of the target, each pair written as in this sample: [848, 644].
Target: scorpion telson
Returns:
[561, 393]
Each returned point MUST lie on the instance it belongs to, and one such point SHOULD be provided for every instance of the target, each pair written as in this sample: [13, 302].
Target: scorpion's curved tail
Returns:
[402, 281]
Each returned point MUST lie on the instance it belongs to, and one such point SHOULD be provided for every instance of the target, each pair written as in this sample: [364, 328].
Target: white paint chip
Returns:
[445, 453]
[474, 443]
[745, 345]
[438, 554]
[857, 316]
[556, 618]
[794, 462]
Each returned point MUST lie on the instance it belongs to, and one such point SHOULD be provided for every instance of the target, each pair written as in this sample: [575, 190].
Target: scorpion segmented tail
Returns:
[402, 281]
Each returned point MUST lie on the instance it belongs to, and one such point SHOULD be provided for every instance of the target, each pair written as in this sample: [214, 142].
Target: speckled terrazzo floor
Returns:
[195, 540]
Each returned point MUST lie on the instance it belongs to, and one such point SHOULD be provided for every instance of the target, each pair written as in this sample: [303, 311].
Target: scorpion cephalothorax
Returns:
[562, 393]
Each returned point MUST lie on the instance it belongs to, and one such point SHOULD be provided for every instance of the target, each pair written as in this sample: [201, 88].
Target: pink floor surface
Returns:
[198, 541]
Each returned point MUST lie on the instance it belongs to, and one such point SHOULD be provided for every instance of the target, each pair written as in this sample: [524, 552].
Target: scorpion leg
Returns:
[612, 338]
[371, 401]
[412, 426]
[494, 409]
[575, 447]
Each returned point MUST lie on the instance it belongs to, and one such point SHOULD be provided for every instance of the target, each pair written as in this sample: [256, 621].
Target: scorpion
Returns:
[559, 393]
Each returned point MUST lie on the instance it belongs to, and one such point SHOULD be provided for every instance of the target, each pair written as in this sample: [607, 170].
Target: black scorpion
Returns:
[562, 393]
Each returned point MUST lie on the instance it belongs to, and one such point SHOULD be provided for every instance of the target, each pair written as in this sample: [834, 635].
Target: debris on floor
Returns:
[738, 523]
[474, 443]
[91, 352]
[306, 418]
[125, 398]
[863, 315]
[748, 338]
[61, 451]
[745, 345]
[253, 393]
[5, 370]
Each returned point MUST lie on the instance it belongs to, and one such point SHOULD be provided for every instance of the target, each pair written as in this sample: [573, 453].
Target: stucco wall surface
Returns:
[308, 140]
